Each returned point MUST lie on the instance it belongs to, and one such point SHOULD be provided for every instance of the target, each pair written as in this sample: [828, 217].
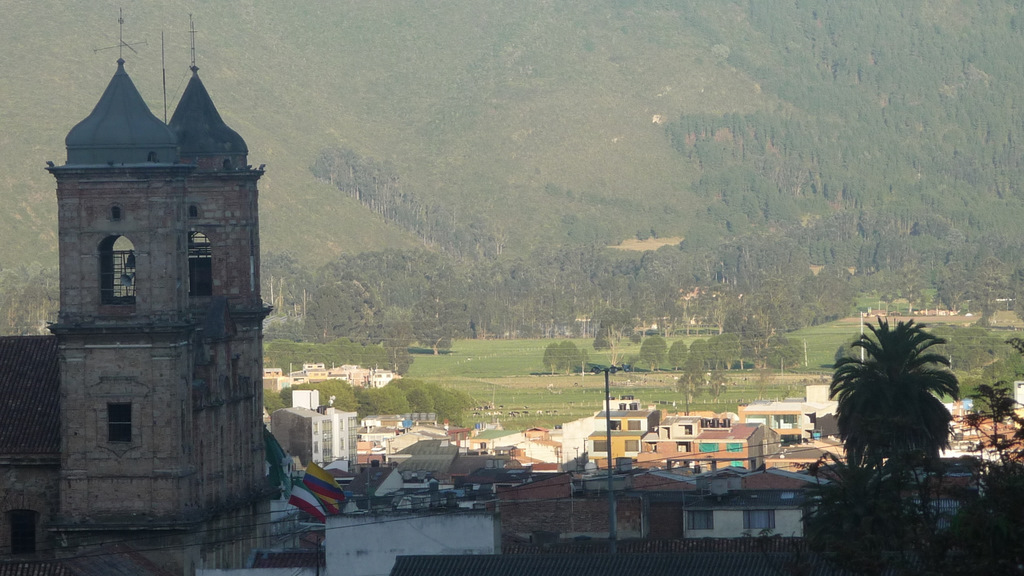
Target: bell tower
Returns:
[159, 333]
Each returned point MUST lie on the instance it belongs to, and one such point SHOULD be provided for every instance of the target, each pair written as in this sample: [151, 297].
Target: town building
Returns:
[367, 545]
[795, 419]
[322, 435]
[628, 423]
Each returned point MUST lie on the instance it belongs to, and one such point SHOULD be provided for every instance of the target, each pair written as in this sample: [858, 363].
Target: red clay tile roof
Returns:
[29, 395]
[737, 432]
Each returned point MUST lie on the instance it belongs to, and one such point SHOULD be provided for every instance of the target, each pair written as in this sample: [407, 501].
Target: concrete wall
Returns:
[368, 545]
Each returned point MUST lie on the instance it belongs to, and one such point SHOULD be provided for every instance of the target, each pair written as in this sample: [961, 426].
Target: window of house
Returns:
[600, 446]
[758, 519]
[117, 271]
[708, 447]
[115, 213]
[200, 265]
[700, 520]
[688, 429]
[23, 531]
[633, 425]
[734, 447]
[632, 445]
[615, 425]
[119, 422]
[193, 211]
[683, 447]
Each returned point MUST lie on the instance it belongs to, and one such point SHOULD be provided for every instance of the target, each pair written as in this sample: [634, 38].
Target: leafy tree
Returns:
[782, 352]
[988, 529]
[273, 402]
[858, 516]
[396, 334]
[564, 357]
[449, 405]
[386, 400]
[715, 382]
[653, 351]
[339, 309]
[890, 402]
[724, 350]
[438, 318]
[677, 354]
[614, 325]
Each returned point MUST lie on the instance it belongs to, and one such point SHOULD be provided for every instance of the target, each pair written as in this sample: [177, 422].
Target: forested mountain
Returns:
[439, 171]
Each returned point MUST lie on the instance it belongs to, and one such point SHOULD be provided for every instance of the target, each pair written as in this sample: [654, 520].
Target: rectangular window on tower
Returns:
[119, 422]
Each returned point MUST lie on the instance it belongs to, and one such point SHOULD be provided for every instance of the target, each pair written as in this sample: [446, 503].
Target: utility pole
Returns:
[611, 471]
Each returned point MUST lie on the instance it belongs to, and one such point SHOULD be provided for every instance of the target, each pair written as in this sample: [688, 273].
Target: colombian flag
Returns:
[323, 485]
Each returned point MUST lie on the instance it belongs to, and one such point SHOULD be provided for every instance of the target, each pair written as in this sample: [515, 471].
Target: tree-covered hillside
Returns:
[470, 161]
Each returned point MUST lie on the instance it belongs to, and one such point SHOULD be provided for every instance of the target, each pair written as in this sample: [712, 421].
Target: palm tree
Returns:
[889, 403]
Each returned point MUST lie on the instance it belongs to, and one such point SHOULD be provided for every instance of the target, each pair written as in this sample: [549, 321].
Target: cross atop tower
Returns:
[121, 44]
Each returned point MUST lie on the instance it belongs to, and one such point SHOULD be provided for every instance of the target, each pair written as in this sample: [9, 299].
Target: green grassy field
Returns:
[506, 376]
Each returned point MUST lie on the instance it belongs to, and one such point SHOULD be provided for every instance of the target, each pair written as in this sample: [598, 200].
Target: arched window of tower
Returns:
[200, 264]
[117, 270]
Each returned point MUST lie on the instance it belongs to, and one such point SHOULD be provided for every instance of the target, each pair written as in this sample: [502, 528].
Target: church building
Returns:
[137, 426]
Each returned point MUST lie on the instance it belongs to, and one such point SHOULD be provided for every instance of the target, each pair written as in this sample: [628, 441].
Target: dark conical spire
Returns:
[199, 127]
[121, 129]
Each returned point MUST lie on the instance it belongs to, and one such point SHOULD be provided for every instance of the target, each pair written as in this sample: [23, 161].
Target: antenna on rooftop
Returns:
[121, 44]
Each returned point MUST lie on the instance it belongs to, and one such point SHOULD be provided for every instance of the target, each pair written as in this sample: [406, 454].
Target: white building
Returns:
[334, 433]
[367, 545]
[322, 435]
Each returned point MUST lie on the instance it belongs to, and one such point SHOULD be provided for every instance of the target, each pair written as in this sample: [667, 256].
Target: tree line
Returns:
[401, 396]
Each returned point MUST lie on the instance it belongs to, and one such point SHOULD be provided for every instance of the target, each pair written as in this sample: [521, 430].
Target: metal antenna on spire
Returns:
[192, 33]
[163, 73]
[121, 44]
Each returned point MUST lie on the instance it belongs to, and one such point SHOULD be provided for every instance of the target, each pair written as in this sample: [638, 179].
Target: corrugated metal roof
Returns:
[702, 564]
[29, 396]
[111, 561]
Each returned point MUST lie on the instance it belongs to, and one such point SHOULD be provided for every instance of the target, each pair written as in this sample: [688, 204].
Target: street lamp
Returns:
[608, 438]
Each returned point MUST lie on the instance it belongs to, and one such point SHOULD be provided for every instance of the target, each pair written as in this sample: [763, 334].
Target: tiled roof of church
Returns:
[29, 395]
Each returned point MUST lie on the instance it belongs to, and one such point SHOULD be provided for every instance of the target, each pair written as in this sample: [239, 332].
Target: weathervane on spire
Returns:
[121, 44]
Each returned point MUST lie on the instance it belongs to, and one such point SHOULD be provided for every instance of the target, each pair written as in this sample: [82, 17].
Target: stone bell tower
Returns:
[160, 334]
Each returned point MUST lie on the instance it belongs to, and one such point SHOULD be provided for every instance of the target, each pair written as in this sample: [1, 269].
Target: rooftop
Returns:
[30, 393]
